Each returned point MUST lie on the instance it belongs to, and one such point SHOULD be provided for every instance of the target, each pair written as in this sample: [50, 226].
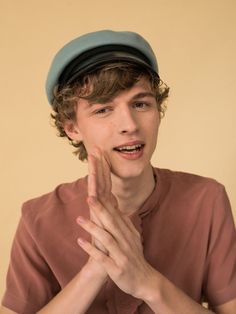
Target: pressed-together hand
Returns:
[92, 192]
[117, 244]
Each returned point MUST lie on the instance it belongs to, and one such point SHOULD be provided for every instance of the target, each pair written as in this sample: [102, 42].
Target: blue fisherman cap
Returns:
[91, 51]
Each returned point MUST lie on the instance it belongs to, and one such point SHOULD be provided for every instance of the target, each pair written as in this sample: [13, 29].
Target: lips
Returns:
[129, 147]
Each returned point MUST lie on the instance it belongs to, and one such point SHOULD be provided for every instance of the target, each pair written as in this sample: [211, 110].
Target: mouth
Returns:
[129, 149]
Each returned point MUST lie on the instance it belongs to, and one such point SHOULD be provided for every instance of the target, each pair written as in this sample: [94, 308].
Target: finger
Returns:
[92, 181]
[101, 169]
[107, 194]
[113, 222]
[102, 236]
[116, 269]
[92, 190]
[110, 215]
[103, 175]
[98, 255]
[131, 225]
[106, 174]
[100, 180]
[95, 242]
[137, 238]
[103, 178]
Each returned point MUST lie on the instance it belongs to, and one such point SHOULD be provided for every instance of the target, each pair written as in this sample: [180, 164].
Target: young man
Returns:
[129, 238]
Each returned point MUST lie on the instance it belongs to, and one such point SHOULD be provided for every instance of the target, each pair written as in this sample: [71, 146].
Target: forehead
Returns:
[140, 90]
[108, 90]
[137, 90]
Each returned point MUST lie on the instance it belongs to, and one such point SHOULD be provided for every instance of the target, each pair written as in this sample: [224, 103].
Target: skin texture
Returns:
[123, 258]
[116, 188]
[131, 116]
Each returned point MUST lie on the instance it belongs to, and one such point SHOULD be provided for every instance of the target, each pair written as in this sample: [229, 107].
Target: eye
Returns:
[141, 105]
[102, 110]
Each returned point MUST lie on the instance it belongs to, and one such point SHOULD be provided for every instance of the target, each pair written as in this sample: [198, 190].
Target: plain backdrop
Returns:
[195, 45]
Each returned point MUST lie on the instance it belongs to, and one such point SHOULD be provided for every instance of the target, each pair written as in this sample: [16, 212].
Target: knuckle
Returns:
[97, 207]
[91, 225]
[119, 272]
[104, 198]
[112, 220]
[101, 190]
[101, 258]
[109, 240]
[123, 262]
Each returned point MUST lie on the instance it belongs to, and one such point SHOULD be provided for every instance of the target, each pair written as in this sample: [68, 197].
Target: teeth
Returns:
[131, 147]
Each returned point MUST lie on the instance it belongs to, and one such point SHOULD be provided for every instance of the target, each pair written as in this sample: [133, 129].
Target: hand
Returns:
[99, 185]
[92, 191]
[123, 256]
[93, 175]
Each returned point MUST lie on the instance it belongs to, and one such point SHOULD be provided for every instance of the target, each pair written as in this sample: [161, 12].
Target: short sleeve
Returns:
[30, 282]
[220, 275]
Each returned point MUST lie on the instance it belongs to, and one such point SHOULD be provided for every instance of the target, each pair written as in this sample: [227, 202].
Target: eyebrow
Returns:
[142, 95]
[135, 97]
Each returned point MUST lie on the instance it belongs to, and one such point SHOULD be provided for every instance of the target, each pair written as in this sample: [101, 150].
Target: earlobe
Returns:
[72, 131]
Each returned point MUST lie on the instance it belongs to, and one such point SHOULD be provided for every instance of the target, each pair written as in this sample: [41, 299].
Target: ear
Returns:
[72, 131]
[159, 117]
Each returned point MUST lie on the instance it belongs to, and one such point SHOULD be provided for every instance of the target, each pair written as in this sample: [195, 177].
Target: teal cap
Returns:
[86, 53]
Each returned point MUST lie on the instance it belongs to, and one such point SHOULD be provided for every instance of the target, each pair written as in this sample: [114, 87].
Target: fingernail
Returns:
[81, 241]
[81, 220]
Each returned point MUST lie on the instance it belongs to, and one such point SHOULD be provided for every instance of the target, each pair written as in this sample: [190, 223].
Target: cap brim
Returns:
[80, 67]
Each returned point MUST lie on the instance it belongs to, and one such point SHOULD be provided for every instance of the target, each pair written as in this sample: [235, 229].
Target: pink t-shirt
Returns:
[188, 235]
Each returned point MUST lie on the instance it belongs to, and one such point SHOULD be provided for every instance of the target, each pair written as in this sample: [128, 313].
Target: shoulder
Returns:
[65, 201]
[196, 198]
[188, 182]
[192, 190]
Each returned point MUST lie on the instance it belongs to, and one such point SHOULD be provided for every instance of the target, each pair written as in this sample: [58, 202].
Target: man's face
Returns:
[125, 129]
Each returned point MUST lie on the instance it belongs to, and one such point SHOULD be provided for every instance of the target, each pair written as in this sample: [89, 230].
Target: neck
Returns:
[131, 193]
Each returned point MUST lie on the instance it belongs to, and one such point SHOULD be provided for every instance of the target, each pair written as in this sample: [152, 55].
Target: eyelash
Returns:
[136, 105]
[101, 111]
[144, 104]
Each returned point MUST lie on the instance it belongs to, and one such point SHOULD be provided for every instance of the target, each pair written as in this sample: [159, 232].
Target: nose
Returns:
[127, 121]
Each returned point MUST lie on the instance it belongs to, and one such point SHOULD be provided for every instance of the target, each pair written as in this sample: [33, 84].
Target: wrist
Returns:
[151, 288]
[93, 271]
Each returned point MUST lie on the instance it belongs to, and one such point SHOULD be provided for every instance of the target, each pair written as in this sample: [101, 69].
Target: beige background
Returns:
[195, 45]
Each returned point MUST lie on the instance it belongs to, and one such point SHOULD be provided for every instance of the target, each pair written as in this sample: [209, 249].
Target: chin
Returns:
[125, 171]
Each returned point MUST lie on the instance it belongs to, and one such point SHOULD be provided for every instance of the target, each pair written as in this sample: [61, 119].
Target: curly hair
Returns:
[102, 86]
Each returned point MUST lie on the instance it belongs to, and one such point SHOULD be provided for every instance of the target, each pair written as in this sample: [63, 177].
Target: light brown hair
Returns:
[102, 86]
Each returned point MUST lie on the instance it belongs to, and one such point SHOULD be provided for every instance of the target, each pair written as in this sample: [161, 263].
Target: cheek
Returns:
[153, 122]
[98, 136]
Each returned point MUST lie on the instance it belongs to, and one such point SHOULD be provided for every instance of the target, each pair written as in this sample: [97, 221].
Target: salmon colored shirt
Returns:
[188, 235]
